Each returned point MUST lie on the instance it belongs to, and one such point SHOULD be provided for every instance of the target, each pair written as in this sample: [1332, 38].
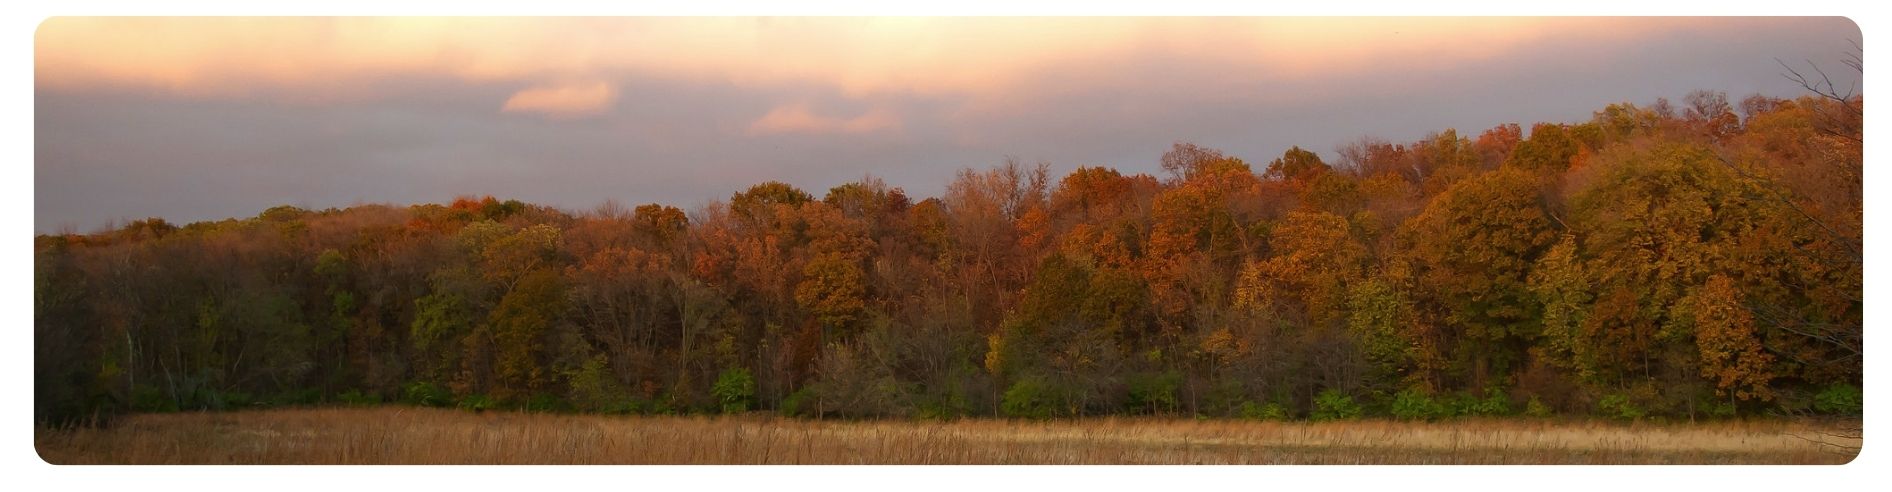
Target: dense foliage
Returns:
[1643, 263]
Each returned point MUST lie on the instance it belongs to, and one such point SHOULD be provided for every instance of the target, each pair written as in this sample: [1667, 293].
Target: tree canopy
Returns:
[1691, 266]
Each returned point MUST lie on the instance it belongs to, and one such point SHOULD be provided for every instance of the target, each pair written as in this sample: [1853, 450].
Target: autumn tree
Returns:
[1198, 225]
[1471, 251]
[1296, 165]
[1306, 280]
[1669, 259]
[1550, 150]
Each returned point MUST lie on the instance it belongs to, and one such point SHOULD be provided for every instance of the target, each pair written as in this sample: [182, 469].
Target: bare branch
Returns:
[1825, 87]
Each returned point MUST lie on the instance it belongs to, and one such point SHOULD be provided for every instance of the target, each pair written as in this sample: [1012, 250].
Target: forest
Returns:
[1700, 260]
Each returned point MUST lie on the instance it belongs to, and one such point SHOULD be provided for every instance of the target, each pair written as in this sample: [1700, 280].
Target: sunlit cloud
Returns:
[979, 57]
[798, 118]
[144, 116]
[561, 101]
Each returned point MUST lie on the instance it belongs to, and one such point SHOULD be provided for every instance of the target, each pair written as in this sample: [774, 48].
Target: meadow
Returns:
[407, 435]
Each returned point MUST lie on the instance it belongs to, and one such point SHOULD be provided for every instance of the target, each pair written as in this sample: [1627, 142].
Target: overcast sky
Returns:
[203, 119]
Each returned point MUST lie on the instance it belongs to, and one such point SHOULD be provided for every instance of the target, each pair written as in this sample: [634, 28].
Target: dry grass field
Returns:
[397, 435]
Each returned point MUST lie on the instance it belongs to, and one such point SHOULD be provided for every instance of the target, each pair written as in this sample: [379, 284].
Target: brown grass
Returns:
[434, 436]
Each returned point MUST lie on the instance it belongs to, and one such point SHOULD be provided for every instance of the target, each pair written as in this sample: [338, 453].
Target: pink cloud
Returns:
[989, 61]
[799, 118]
[560, 101]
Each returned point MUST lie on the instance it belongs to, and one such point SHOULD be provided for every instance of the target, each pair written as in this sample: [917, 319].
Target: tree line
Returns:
[1701, 261]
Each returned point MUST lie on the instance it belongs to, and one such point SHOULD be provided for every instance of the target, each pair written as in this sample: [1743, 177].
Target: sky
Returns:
[194, 119]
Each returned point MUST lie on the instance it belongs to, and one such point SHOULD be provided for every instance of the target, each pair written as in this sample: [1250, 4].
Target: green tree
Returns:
[734, 389]
[519, 326]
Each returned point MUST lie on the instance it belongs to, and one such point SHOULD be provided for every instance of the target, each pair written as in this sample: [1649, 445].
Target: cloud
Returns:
[138, 117]
[798, 118]
[984, 57]
[563, 101]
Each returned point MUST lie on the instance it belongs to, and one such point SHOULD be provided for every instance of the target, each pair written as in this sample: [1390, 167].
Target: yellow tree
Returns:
[1471, 250]
[1550, 150]
[1689, 258]
[1315, 260]
[1198, 224]
[1731, 353]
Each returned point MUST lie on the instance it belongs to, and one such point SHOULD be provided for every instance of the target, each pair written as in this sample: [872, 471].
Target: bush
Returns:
[1155, 393]
[857, 380]
[147, 398]
[426, 394]
[1618, 406]
[308, 396]
[1032, 398]
[1334, 405]
[734, 389]
[592, 387]
[1415, 404]
[675, 400]
[1839, 399]
[662, 405]
[1271, 411]
[951, 403]
[1494, 404]
[1224, 397]
[353, 398]
[624, 406]
[1536, 408]
[238, 399]
[477, 403]
[797, 403]
[546, 403]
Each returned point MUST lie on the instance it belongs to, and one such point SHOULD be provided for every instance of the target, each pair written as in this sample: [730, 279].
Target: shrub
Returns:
[1334, 405]
[857, 379]
[1415, 404]
[307, 396]
[1032, 397]
[592, 387]
[1224, 397]
[426, 394]
[477, 403]
[950, 404]
[1155, 393]
[353, 398]
[1618, 406]
[734, 389]
[238, 399]
[1839, 399]
[546, 403]
[625, 406]
[1494, 404]
[662, 405]
[797, 403]
[1271, 411]
[147, 398]
[1536, 408]
[674, 401]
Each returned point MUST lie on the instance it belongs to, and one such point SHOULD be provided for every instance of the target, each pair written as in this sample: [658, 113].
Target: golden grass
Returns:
[397, 435]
